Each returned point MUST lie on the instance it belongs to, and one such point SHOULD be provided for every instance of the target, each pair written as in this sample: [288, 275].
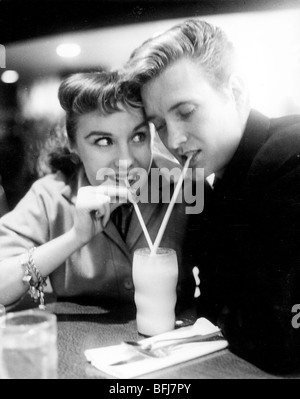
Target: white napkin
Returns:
[104, 358]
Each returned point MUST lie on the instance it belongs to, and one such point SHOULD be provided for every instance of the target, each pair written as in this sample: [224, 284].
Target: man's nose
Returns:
[176, 137]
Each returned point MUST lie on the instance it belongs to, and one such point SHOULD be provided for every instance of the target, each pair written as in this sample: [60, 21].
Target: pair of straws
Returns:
[154, 247]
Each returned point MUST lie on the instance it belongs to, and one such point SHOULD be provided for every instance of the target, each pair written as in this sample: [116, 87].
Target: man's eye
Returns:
[139, 138]
[186, 111]
[103, 142]
[160, 127]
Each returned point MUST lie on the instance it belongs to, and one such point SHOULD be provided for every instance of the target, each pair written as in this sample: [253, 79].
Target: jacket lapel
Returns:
[135, 230]
[112, 233]
[256, 133]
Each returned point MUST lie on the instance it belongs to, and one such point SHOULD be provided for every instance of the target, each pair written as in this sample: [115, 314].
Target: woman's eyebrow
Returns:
[98, 133]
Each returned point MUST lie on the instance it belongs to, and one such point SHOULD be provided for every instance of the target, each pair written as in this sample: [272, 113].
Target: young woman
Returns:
[70, 226]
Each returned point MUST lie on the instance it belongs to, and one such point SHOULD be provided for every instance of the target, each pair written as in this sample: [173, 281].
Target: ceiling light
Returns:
[68, 50]
[10, 77]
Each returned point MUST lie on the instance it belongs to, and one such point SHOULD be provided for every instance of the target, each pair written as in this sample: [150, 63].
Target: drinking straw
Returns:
[141, 220]
[170, 207]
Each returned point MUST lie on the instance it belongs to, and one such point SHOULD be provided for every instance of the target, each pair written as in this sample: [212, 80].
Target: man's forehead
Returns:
[173, 79]
[158, 102]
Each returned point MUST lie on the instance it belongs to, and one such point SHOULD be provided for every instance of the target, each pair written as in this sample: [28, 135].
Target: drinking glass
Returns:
[29, 345]
[2, 310]
[155, 280]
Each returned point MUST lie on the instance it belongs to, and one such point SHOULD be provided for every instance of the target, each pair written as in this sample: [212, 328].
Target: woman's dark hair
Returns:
[79, 94]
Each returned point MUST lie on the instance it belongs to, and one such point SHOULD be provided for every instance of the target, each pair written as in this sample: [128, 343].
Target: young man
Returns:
[250, 266]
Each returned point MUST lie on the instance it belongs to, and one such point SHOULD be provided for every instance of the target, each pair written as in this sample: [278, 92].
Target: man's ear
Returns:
[238, 89]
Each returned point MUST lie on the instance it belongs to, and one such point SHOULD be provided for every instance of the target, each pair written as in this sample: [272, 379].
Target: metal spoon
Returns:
[159, 349]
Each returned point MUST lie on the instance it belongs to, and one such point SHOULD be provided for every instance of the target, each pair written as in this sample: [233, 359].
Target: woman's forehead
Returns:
[125, 119]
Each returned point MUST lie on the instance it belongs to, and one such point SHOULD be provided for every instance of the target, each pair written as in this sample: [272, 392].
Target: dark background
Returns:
[26, 19]
[22, 20]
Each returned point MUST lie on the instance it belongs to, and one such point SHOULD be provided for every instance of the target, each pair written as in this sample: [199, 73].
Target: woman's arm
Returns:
[48, 257]
[92, 213]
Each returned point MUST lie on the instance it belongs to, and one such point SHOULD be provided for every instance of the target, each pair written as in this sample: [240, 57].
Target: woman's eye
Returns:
[139, 138]
[103, 142]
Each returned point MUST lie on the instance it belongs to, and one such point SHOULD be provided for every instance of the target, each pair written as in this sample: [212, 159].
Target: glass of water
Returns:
[28, 345]
[2, 310]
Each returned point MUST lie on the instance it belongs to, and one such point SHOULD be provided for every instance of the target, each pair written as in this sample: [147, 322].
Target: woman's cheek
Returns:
[147, 156]
[94, 172]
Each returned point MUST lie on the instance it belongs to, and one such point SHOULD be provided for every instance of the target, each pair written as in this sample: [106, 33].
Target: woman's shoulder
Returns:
[56, 180]
[54, 184]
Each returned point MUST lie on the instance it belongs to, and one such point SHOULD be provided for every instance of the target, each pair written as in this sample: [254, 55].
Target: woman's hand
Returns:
[93, 208]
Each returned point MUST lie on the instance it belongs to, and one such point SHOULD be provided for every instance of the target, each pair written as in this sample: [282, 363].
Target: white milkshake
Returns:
[155, 279]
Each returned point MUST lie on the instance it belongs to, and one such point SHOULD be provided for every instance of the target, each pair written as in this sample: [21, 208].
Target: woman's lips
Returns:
[126, 180]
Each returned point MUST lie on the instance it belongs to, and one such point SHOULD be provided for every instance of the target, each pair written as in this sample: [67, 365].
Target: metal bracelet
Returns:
[33, 278]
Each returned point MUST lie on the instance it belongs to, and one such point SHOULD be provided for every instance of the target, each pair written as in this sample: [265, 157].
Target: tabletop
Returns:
[82, 326]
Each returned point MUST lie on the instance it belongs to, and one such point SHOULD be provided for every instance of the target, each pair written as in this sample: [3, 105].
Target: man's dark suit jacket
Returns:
[250, 268]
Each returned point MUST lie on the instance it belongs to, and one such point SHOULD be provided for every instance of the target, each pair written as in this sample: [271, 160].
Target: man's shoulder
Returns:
[285, 130]
[287, 121]
[282, 144]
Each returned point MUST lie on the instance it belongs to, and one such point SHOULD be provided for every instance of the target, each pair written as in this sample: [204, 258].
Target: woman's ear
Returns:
[75, 158]
[74, 155]
[73, 148]
[238, 89]
[74, 151]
